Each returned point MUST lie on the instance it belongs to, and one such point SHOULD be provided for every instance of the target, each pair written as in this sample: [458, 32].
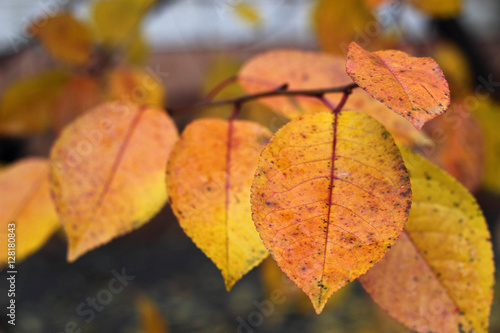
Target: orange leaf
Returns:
[25, 201]
[312, 70]
[66, 38]
[440, 274]
[298, 69]
[330, 196]
[208, 177]
[108, 171]
[412, 87]
[458, 145]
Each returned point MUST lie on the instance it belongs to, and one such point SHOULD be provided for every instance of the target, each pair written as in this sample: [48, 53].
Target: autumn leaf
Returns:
[337, 23]
[299, 70]
[312, 70]
[458, 145]
[137, 50]
[108, 171]
[455, 67]
[66, 38]
[439, 275]
[208, 178]
[439, 9]
[26, 202]
[412, 87]
[27, 106]
[151, 319]
[118, 21]
[330, 196]
[80, 93]
[131, 84]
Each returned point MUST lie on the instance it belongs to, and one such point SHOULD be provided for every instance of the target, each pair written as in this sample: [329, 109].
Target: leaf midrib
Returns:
[330, 199]
[116, 163]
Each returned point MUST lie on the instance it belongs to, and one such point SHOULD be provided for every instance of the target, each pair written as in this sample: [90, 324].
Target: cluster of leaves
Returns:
[335, 195]
[99, 62]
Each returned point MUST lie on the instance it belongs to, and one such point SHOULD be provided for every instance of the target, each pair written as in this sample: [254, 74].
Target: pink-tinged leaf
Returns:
[412, 87]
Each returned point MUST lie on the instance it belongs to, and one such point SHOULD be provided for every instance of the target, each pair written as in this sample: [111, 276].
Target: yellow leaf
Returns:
[26, 106]
[108, 172]
[439, 275]
[152, 321]
[439, 9]
[455, 67]
[135, 85]
[330, 196]
[25, 201]
[312, 70]
[138, 50]
[248, 13]
[118, 21]
[66, 38]
[488, 116]
[208, 178]
[337, 23]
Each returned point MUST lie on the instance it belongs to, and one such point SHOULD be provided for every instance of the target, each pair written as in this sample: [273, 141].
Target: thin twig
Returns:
[280, 91]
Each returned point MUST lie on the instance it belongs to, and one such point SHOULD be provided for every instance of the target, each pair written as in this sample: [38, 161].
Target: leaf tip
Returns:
[72, 256]
[318, 304]
[77, 247]
[229, 282]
